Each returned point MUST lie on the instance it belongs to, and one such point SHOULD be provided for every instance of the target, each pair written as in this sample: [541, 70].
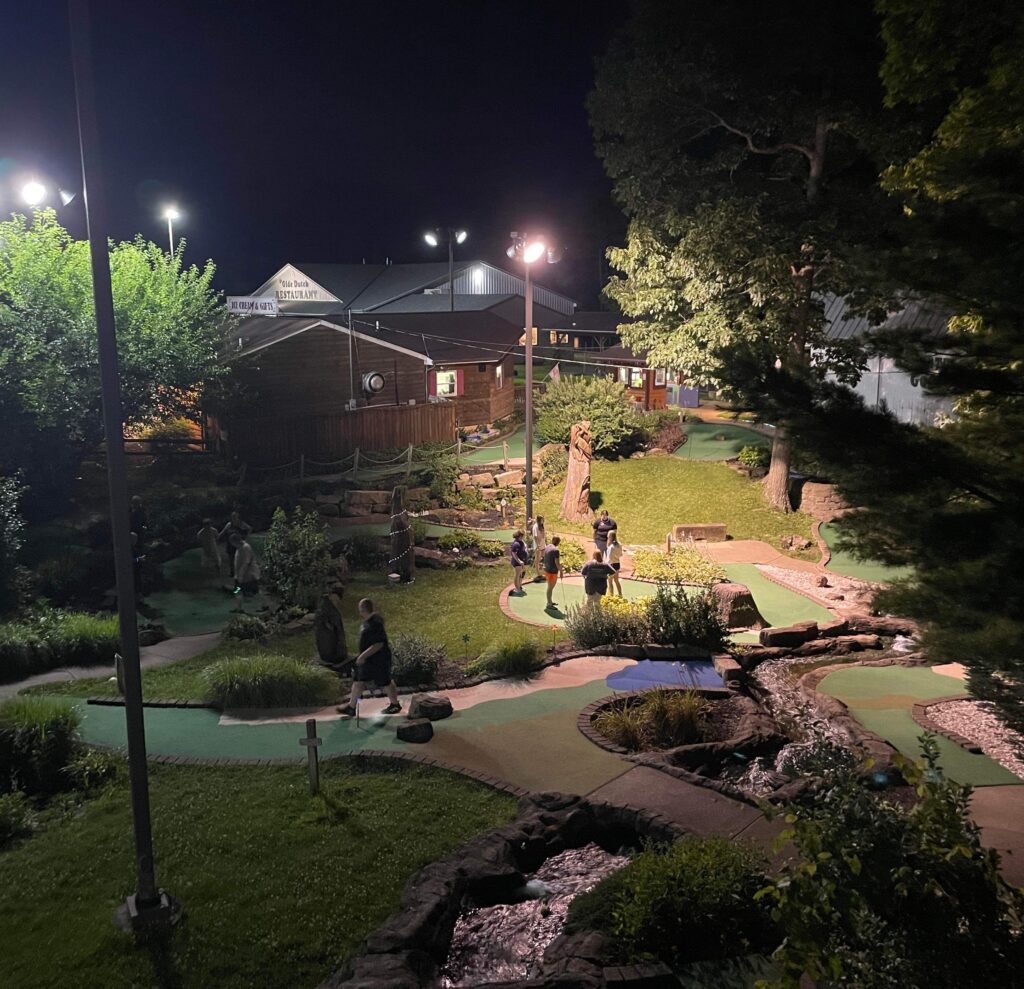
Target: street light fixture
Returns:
[170, 214]
[33, 192]
[530, 250]
[433, 238]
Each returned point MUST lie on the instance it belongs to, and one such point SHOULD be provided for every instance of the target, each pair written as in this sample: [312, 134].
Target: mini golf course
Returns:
[881, 699]
[433, 529]
[845, 563]
[718, 441]
[493, 452]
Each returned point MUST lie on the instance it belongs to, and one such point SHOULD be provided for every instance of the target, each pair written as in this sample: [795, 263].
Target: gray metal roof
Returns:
[598, 321]
[841, 324]
[440, 302]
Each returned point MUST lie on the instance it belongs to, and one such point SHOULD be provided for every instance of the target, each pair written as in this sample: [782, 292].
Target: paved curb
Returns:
[919, 712]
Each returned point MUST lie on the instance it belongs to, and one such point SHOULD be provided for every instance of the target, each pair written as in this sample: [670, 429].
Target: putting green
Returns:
[778, 605]
[881, 698]
[513, 739]
[195, 600]
[493, 452]
[531, 605]
[848, 565]
[718, 441]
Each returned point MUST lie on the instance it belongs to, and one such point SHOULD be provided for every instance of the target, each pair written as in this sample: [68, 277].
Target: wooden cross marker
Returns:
[312, 743]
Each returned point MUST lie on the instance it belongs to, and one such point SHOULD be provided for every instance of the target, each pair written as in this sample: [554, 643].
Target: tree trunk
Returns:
[776, 484]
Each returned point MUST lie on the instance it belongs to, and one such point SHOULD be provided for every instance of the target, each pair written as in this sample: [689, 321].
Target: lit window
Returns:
[447, 383]
[636, 378]
[659, 377]
[499, 376]
[624, 375]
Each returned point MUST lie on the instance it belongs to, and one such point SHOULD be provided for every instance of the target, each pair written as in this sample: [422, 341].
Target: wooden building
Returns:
[648, 386]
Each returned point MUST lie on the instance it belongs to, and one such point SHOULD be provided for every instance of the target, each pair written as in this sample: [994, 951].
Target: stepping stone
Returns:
[415, 730]
[433, 707]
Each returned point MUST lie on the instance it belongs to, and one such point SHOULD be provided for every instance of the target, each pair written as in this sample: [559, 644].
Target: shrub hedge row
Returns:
[53, 639]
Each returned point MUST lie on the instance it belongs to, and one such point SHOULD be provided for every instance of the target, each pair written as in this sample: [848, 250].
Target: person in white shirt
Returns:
[540, 541]
[247, 568]
[613, 557]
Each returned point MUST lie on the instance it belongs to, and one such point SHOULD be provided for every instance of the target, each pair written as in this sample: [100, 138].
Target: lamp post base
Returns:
[134, 918]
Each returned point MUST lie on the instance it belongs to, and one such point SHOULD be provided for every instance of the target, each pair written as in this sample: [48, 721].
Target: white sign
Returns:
[252, 305]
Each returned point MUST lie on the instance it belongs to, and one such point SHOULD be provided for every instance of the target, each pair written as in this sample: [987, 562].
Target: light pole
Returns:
[148, 906]
[433, 238]
[529, 250]
[170, 214]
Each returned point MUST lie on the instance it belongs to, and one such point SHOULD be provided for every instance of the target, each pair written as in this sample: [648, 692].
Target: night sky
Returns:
[317, 131]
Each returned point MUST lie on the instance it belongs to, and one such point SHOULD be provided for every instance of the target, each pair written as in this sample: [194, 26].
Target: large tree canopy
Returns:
[170, 327]
[741, 139]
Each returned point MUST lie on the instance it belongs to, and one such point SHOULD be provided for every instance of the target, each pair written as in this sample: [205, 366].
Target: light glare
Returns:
[534, 251]
[431, 239]
[171, 213]
[460, 237]
[33, 193]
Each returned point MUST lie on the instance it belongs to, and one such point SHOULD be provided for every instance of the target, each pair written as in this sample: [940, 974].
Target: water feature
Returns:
[660, 672]
[507, 941]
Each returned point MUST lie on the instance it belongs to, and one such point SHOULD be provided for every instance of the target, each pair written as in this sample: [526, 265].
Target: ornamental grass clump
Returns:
[38, 740]
[415, 660]
[268, 680]
[517, 657]
[658, 719]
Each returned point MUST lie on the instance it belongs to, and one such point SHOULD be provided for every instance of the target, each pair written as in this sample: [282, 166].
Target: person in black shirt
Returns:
[595, 579]
[234, 527]
[373, 664]
[602, 526]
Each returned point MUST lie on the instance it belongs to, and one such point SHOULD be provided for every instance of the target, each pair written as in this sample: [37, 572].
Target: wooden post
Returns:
[355, 465]
[668, 543]
[302, 467]
[311, 744]
[504, 452]
[408, 463]
[458, 448]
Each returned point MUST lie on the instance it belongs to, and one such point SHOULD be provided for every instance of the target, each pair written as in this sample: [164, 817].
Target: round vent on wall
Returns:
[373, 383]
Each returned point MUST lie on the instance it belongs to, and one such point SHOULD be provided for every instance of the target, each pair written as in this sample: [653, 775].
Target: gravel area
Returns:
[841, 592]
[978, 722]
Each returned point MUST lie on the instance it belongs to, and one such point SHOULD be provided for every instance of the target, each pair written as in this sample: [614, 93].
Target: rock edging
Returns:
[919, 712]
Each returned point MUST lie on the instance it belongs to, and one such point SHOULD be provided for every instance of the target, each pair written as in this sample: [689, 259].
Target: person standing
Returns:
[613, 557]
[138, 521]
[234, 527]
[595, 579]
[373, 664]
[603, 526]
[552, 568]
[519, 558]
[246, 567]
[540, 541]
[207, 538]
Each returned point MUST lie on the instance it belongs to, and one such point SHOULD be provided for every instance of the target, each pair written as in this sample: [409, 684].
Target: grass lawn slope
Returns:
[278, 887]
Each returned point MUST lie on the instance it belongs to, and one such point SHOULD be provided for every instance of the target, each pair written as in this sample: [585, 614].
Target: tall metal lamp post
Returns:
[148, 906]
[433, 238]
[530, 250]
[170, 214]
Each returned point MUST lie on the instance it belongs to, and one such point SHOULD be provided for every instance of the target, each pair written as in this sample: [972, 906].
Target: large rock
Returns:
[330, 499]
[433, 707]
[727, 667]
[737, 607]
[713, 532]
[328, 510]
[795, 543]
[432, 558]
[508, 477]
[483, 480]
[415, 730]
[375, 502]
[821, 501]
[789, 635]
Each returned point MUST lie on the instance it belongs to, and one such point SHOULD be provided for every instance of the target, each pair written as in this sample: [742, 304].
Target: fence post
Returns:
[408, 463]
[458, 449]
[355, 464]
[504, 452]
[302, 467]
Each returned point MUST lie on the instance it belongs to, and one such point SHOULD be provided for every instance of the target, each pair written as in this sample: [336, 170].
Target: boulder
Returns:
[508, 477]
[328, 499]
[727, 667]
[306, 504]
[464, 482]
[712, 532]
[829, 630]
[795, 543]
[417, 494]
[484, 480]
[328, 510]
[415, 730]
[432, 558]
[433, 707]
[789, 635]
[737, 607]
[657, 451]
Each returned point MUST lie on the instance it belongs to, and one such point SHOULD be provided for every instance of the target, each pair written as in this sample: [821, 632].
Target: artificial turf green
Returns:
[881, 698]
[845, 563]
[778, 605]
[278, 887]
[647, 497]
[718, 441]
[493, 452]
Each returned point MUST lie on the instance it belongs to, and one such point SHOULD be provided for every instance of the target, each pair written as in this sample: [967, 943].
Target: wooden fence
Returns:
[266, 441]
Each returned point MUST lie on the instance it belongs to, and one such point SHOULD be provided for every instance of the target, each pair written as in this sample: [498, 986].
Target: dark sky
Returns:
[319, 131]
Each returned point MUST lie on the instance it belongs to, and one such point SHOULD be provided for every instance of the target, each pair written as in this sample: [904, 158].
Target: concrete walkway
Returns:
[169, 651]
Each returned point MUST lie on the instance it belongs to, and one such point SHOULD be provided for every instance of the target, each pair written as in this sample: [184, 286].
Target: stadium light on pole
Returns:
[433, 238]
[170, 214]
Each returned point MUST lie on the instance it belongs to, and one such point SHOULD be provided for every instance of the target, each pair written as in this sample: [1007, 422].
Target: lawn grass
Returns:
[441, 605]
[647, 497]
[278, 887]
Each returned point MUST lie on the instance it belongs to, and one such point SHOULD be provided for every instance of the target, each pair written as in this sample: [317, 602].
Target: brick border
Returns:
[919, 712]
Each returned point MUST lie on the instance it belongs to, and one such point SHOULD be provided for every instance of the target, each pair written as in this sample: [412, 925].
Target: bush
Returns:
[491, 549]
[246, 627]
[462, 540]
[93, 768]
[268, 680]
[12, 531]
[755, 456]
[679, 618]
[554, 462]
[615, 427]
[518, 657]
[177, 428]
[572, 555]
[16, 818]
[664, 429]
[681, 566]
[470, 497]
[297, 557]
[415, 660]
[38, 739]
[690, 902]
[363, 553]
[56, 638]
[659, 719]
[617, 620]
[418, 530]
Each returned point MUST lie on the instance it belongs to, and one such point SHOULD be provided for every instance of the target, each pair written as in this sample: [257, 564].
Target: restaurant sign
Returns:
[252, 305]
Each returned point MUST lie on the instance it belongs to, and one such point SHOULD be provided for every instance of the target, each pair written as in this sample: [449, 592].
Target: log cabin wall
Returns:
[482, 401]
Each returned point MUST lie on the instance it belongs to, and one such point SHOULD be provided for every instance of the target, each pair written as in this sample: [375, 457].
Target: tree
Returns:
[615, 426]
[739, 142]
[12, 531]
[170, 328]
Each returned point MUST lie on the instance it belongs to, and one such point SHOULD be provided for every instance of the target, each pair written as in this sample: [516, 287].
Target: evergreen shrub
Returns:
[415, 660]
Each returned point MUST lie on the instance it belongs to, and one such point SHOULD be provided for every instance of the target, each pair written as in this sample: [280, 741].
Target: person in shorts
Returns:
[603, 526]
[519, 558]
[613, 557]
[540, 542]
[373, 664]
[246, 566]
[552, 568]
[595, 579]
